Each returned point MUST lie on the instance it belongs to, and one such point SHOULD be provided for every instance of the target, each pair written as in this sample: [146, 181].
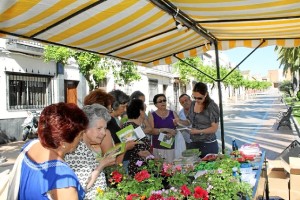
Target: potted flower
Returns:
[158, 180]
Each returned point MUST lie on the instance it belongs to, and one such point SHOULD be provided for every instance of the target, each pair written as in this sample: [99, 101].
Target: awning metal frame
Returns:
[186, 21]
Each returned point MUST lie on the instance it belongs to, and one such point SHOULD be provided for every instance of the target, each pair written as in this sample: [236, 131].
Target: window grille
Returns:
[153, 89]
[28, 91]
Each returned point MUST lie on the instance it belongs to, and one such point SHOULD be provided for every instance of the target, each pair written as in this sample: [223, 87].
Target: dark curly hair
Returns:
[134, 107]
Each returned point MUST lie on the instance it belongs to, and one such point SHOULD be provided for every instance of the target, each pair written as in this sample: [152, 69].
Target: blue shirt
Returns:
[39, 178]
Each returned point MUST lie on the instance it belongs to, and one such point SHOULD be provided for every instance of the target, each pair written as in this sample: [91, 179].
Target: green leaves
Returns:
[93, 67]
[57, 54]
[235, 79]
[126, 73]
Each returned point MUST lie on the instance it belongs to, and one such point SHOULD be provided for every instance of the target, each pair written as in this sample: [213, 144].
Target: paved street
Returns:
[251, 121]
[254, 121]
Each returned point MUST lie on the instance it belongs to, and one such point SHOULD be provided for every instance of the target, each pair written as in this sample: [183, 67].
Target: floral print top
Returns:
[133, 153]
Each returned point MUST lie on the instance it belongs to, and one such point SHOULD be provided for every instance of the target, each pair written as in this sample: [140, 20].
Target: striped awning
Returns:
[144, 31]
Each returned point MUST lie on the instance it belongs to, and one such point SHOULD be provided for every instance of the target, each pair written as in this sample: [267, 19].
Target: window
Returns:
[153, 89]
[28, 91]
[182, 88]
[102, 84]
[165, 87]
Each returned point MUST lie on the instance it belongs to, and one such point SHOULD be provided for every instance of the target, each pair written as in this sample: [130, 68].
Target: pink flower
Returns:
[139, 163]
[150, 157]
[178, 168]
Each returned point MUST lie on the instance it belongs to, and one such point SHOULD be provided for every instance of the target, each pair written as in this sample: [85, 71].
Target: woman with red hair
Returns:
[44, 173]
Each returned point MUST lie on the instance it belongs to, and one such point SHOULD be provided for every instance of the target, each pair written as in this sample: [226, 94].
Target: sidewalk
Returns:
[10, 151]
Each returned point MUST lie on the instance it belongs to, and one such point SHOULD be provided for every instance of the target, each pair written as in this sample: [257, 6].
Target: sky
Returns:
[259, 62]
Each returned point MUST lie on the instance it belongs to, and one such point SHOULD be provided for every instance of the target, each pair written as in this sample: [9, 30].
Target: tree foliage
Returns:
[289, 58]
[57, 54]
[93, 67]
[88, 66]
[125, 73]
[235, 79]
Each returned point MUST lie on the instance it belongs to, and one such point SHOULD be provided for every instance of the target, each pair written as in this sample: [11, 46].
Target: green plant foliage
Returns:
[57, 54]
[286, 86]
[89, 67]
[125, 73]
[289, 58]
[223, 184]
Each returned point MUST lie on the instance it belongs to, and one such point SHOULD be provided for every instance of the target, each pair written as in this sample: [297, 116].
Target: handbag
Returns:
[9, 188]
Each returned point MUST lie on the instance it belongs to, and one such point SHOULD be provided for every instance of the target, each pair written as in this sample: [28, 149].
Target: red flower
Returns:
[117, 176]
[142, 175]
[200, 193]
[185, 191]
[132, 196]
[155, 197]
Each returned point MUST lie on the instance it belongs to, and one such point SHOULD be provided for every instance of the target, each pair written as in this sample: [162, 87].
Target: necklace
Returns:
[162, 114]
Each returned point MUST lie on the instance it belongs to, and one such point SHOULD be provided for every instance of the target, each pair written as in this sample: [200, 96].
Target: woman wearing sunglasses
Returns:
[204, 117]
[162, 121]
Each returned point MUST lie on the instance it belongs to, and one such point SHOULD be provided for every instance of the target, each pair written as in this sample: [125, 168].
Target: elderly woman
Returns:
[162, 121]
[44, 173]
[136, 116]
[86, 160]
[118, 109]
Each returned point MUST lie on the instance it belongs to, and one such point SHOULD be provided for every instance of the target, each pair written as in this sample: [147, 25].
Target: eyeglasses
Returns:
[164, 100]
[198, 98]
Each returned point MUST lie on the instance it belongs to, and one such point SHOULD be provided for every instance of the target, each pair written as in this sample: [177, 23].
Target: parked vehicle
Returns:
[30, 126]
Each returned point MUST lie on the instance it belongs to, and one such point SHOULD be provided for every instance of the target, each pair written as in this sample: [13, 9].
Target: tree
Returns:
[57, 54]
[89, 67]
[93, 67]
[289, 58]
[125, 73]
[186, 72]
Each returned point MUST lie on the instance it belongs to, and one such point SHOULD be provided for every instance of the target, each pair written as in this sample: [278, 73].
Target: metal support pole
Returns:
[220, 96]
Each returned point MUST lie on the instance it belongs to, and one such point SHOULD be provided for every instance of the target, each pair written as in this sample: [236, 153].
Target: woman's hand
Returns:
[144, 154]
[170, 132]
[107, 161]
[104, 162]
[130, 145]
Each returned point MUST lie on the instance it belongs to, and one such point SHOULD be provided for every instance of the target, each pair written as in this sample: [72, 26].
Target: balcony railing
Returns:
[25, 46]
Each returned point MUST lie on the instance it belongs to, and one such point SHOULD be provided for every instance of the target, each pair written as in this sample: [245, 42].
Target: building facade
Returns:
[27, 83]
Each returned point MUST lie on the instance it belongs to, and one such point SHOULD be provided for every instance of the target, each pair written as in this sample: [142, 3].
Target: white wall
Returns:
[19, 63]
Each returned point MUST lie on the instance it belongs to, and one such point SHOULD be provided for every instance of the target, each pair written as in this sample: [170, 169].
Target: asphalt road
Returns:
[254, 121]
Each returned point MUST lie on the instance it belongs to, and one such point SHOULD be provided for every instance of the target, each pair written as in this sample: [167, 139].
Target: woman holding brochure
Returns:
[163, 132]
[136, 116]
[204, 117]
[87, 160]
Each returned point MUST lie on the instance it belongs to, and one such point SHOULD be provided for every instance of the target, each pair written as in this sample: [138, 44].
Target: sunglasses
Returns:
[164, 100]
[198, 98]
